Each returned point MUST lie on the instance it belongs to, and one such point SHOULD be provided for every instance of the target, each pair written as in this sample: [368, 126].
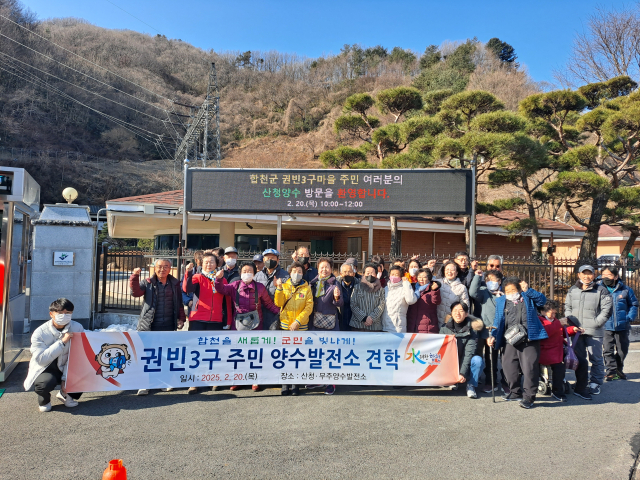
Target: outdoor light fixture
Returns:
[69, 194]
[249, 226]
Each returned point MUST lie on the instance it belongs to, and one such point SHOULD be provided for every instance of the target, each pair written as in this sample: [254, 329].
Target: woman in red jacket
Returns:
[422, 316]
[552, 348]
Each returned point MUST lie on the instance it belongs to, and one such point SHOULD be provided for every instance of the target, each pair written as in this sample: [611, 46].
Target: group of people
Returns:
[492, 317]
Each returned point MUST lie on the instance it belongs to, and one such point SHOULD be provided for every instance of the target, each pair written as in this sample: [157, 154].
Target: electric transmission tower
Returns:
[200, 130]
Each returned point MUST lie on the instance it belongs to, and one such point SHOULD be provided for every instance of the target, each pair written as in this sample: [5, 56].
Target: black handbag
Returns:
[515, 334]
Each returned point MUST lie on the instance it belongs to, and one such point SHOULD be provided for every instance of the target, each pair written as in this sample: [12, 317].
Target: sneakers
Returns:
[621, 375]
[471, 391]
[454, 387]
[170, 389]
[508, 397]
[330, 390]
[311, 387]
[215, 388]
[235, 388]
[561, 397]
[584, 395]
[526, 404]
[594, 389]
[285, 390]
[45, 408]
[192, 390]
[487, 389]
[611, 376]
[506, 389]
[256, 388]
[295, 391]
[68, 401]
[143, 391]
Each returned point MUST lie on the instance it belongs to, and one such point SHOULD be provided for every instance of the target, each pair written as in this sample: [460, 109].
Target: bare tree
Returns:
[609, 47]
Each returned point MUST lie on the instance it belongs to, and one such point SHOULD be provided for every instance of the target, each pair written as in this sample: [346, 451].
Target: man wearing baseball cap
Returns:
[268, 276]
[231, 272]
[258, 261]
[587, 307]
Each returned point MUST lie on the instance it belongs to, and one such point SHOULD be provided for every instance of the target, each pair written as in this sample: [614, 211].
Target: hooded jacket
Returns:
[589, 309]
[452, 291]
[367, 300]
[397, 298]
[296, 304]
[532, 300]
[327, 304]
[422, 316]
[207, 303]
[47, 347]
[624, 307]
[467, 340]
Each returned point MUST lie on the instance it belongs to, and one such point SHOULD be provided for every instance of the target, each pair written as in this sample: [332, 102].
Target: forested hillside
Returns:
[70, 87]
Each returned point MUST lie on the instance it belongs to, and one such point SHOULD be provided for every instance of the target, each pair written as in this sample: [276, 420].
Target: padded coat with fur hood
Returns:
[451, 291]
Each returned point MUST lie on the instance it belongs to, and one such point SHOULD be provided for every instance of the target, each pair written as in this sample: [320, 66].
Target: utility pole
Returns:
[201, 122]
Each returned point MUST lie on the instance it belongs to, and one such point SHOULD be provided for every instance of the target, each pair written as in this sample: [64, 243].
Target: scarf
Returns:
[320, 286]
[370, 287]
[212, 278]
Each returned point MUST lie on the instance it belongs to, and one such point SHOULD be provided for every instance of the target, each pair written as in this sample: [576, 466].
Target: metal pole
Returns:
[472, 227]
[105, 251]
[185, 214]
[370, 237]
[279, 235]
[552, 272]
[97, 266]
[5, 251]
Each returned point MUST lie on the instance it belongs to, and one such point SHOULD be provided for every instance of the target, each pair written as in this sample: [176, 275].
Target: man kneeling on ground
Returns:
[50, 353]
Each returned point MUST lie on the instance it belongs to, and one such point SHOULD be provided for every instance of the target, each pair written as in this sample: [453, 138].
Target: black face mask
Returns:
[304, 260]
[348, 278]
[270, 264]
[609, 282]
[371, 278]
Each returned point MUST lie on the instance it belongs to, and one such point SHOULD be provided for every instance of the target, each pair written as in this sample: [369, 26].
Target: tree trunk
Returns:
[536, 241]
[589, 245]
[633, 235]
[395, 244]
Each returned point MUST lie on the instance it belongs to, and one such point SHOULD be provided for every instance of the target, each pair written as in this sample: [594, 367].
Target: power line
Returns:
[81, 73]
[128, 126]
[85, 59]
[82, 88]
[134, 16]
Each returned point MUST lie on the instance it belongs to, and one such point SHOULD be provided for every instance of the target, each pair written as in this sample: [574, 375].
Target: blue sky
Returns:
[541, 31]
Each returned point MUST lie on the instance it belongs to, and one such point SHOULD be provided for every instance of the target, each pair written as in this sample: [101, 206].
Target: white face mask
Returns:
[231, 262]
[247, 277]
[296, 277]
[62, 319]
[513, 296]
[413, 271]
[379, 275]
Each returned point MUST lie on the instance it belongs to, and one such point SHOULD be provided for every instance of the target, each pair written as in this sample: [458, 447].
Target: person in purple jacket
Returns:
[327, 298]
[246, 299]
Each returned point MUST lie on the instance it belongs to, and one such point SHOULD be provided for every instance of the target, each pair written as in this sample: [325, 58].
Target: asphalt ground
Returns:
[360, 432]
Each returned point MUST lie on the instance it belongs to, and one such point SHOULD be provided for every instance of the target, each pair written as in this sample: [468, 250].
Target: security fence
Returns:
[553, 277]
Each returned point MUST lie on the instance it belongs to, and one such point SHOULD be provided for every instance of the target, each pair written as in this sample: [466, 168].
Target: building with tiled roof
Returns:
[611, 241]
[159, 216]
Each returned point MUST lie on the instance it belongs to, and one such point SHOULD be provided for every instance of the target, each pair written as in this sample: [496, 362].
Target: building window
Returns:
[354, 246]
[255, 243]
[194, 242]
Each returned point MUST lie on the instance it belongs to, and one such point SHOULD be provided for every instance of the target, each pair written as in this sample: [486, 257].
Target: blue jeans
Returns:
[477, 364]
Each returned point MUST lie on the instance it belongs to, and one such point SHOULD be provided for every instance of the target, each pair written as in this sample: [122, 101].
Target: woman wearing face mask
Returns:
[452, 290]
[398, 295]
[248, 296]
[422, 316]
[295, 299]
[49, 355]
[367, 302]
[485, 295]
[412, 272]
[517, 320]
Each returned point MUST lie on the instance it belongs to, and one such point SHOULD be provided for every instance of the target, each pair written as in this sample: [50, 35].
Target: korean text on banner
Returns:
[133, 360]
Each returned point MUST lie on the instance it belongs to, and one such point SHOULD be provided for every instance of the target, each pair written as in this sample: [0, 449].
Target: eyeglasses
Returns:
[165, 267]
